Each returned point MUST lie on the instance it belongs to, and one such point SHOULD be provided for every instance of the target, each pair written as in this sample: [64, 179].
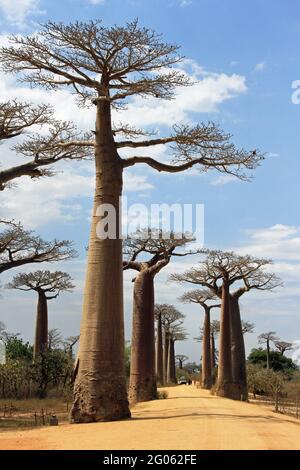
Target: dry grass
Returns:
[18, 414]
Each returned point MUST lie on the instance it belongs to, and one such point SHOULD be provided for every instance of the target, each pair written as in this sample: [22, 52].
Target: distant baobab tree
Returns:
[203, 297]
[176, 333]
[170, 317]
[267, 338]
[19, 247]
[155, 251]
[283, 346]
[48, 285]
[61, 142]
[214, 331]
[104, 66]
[181, 359]
[218, 272]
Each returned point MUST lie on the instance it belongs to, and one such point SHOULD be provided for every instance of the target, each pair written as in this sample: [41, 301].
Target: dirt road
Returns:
[189, 419]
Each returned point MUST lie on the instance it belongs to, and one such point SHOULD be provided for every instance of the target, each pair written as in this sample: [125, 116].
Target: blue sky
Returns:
[245, 56]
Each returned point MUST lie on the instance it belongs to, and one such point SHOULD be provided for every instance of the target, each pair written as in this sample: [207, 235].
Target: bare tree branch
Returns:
[19, 247]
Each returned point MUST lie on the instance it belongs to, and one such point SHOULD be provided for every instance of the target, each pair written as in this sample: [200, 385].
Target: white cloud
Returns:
[96, 2]
[279, 242]
[260, 66]
[60, 198]
[207, 93]
[17, 11]
[223, 179]
[185, 3]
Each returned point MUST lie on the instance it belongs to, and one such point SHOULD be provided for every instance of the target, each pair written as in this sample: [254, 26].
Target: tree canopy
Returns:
[19, 247]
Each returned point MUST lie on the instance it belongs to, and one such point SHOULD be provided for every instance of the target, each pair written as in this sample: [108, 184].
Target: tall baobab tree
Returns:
[283, 346]
[48, 285]
[214, 331]
[61, 142]
[176, 333]
[218, 272]
[104, 66]
[159, 249]
[267, 338]
[170, 317]
[159, 366]
[202, 297]
[19, 247]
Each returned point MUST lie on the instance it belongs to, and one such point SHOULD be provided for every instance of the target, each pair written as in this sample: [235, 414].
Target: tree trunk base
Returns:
[143, 390]
[240, 391]
[107, 401]
[227, 390]
[206, 385]
[234, 391]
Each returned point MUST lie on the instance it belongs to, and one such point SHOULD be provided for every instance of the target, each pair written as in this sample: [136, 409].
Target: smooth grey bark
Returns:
[239, 372]
[142, 383]
[224, 383]
[41, 326]
[100, 381]
[206, 381]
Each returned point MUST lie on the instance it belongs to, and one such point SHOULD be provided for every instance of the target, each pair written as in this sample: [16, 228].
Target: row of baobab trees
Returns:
[223, 277]
[148, 252]
[105, 67]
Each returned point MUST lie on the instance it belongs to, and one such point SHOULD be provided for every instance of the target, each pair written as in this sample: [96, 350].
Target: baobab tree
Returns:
[267, 338]
[170, 317]
[159, 250]
[283, 346]
[214, 331]
[181, 359]
[202, 297]
[61, 142]
[48, 285]
[159, 366]
[19, 247]
[176, 333]
[104, 66]
[218, 272]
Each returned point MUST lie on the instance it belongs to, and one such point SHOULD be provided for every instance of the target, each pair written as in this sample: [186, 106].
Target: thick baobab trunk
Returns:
[41, 326]
[171, 367]
[224, 385]
[206, 381]
[142, 383]
[100, 382]
[159, 353]
[166, 354]
[238, 356]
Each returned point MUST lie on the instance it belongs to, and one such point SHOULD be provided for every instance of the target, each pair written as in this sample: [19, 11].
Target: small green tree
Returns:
[16, 349]
[278, 362]
[48, 370]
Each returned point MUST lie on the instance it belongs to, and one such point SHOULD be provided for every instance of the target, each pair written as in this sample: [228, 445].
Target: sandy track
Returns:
[189, 419]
